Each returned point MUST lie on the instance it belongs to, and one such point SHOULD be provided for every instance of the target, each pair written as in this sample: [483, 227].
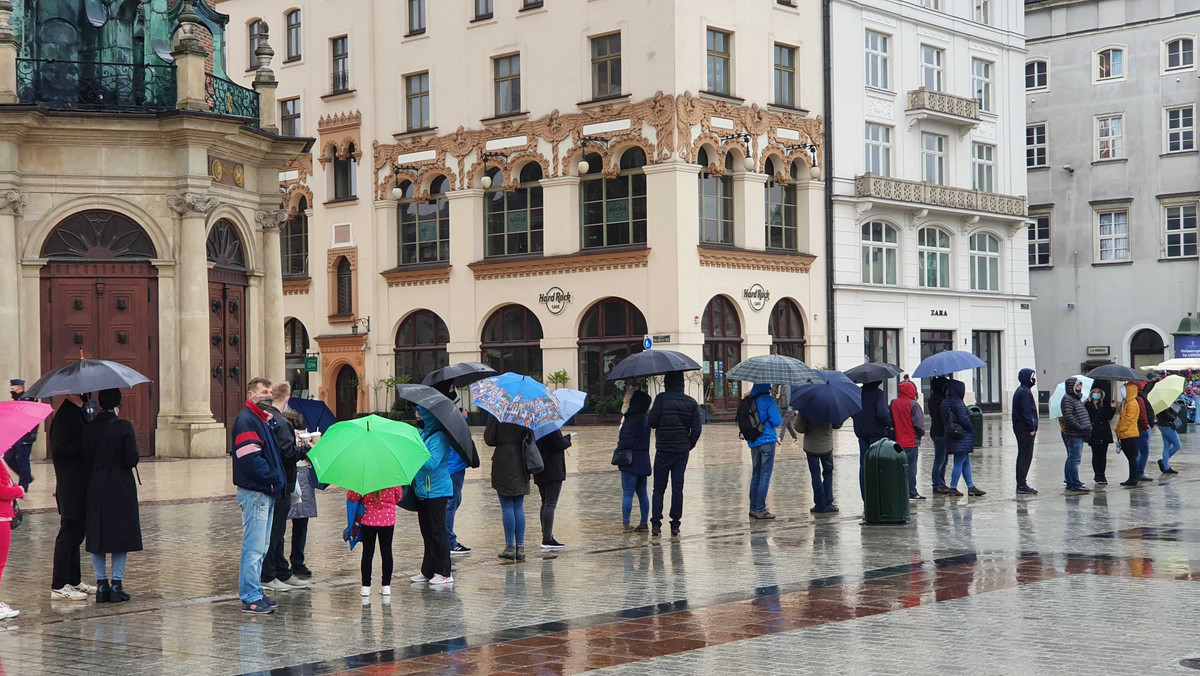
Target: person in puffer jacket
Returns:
[1077, 426]
[433, 488]
[1145, 423]
[676, 420]
[953, 409]
[1025, 428]
[870, 424]
[762, 450]
[909, 421]
[1127, 432]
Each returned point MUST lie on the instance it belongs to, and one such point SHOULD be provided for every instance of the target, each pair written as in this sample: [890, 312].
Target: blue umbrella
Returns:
[317, 416]
[517, 399]
[947, 362]
[831, 401]
[570, 402]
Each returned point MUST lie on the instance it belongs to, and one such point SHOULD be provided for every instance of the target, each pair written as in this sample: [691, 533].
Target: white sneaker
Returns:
[85, 588]
[7, 613]
[418, 578]
[364, 591]
[386, 590]
[277, 585]
[441, 580]
[296, 583]
[67, 593]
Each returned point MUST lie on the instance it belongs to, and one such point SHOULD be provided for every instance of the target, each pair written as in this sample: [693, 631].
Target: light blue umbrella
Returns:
[947, 362]
[570, 402]
[1061, 391]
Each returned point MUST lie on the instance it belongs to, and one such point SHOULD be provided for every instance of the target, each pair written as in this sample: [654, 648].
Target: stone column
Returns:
[189, 58]
[194, 395]
[265, 84]
[271, 220]
[12, 203]
[8, 55]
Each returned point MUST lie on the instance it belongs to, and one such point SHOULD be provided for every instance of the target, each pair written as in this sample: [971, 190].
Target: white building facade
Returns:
[928, 186]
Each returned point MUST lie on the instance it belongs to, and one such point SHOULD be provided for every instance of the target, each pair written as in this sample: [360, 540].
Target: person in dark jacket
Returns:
[1170, 437]
[433, 487]
[553, 447]
[510, 480]
[1145, 423]
[276, 573]
[1025, 428]
[306, 508]
[113, 525]
[458, 474]
[677, 423]
[953, 409]
[870, 425]
[71, 479]
[1101, 414]
[1077, 426]
[937, 393]
[17, 457]
[635, 438]
[258, 475]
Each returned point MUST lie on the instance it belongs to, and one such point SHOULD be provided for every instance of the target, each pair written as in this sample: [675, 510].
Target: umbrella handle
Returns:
[138, 475]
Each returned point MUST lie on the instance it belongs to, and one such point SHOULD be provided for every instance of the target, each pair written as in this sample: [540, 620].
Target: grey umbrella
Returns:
[461, 375]
[448, 414]
[652, 363]
[1116, 372]
[872, 372]
[85, 375]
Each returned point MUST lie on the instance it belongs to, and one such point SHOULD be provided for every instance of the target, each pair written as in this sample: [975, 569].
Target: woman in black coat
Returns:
[113, 526]
[549, 481]
[1101, 412]
[635, 438]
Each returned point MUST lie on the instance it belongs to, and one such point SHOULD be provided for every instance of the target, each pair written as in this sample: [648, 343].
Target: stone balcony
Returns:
[929, 194]
[957, 110]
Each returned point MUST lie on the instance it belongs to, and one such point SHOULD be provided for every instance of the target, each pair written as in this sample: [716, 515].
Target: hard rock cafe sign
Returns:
[555, 300]
[756, 296]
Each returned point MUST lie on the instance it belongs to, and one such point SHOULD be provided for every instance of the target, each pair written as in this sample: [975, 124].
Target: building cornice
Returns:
[584, 261]
[417, 276]
[744, 259]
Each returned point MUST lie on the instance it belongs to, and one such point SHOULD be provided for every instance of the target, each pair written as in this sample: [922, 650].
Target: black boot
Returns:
[103, 591]
[118, 594]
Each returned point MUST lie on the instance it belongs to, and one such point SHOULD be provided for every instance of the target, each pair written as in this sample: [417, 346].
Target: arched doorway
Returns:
[295, 338]
[421, 345]
[228, 334]
[99, 298]
[511, 341]
[786, 328]
[1146, 348]
[346, 393]
[722, 351]
[611, 330]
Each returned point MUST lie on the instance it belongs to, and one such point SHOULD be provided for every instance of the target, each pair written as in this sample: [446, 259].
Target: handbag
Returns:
[622, 457]
[409, 500]
[954, 429]
[533, 457]
[17, 517]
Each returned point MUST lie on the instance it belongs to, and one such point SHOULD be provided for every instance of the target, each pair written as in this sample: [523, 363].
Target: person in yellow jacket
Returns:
[1127, 432]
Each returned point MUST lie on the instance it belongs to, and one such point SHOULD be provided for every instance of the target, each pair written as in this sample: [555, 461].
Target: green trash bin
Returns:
[885, 483]
[976, 415]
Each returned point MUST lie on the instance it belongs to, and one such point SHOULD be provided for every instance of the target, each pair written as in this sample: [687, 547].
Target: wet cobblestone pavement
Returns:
[1100, 583]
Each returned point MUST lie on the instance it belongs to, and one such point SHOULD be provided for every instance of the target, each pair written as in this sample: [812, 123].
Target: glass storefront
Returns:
[933, 342]
[989, 391]
[611, 330]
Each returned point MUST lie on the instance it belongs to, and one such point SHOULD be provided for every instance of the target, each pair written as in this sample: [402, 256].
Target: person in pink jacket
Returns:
[9, 491]
[378, 523]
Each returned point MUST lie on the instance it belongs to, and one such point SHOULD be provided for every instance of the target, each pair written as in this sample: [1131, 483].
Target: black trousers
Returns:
[66, 552]
[549, 493]
[275, 565]
[299, 540]
[1099, 461]
[1024, 456]
[384, 535]
[668, 466]
[431, 517]
[1130, 448]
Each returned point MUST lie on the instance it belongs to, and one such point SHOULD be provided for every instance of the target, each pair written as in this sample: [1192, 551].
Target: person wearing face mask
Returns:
[17, 457]
[1077, 426]
[1101, 413]
[1025, 428]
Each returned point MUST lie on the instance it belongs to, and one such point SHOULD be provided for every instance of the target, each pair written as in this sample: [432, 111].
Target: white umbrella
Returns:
[1175, 365]
[1061, 391]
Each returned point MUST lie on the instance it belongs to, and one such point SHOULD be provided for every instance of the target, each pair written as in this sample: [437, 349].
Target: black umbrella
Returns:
[652, 363]
[872, 372]
[460, 374]
[85, 375]
[1116, 372]
[448, 414]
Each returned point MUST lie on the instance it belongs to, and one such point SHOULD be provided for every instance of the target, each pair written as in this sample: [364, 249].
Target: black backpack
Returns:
[750, 427]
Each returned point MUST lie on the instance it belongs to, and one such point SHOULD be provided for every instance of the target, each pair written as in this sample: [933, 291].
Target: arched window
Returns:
[933, 258]
[1035, 74]
[293, 35]
[1146, 348]
[780, 209]
[879, 243]
[295, 339]
[722, 351]
[424, 224]
[421, 345]
[511, 341]
[258, 33]
[1181, 54]
[345, 175]
[514, 218]
[611, 330]
[293, 242]
[345, 288]
[716, 202]
[985, 262]
[786, 328]
[346, 393]
[98, 235]
[614, 209]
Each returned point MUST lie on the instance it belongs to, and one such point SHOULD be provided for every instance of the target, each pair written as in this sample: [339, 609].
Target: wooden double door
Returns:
[227, 340]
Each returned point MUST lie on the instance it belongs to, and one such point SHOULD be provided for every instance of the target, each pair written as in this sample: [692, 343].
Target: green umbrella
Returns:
[369, 454]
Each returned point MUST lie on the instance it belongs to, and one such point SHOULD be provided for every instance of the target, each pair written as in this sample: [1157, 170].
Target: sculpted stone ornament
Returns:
[13, 199]
[270, 219]
[190, 201]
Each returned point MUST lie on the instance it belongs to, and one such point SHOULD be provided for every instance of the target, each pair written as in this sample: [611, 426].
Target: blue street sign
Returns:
[647, 343]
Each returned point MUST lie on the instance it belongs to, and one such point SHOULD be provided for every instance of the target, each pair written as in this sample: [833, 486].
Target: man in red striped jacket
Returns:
[258, 475]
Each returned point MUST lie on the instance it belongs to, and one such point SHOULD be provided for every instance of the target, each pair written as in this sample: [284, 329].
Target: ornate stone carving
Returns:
[13, 199]
[296, 287]
[879, 18]
[270, 219]
[349, 253]
[880, 108]
[192, 202]
[930, 33]
[292, 202]
[986, 130]
[338, 131]
[765, 261]
[941, 102]
[418, 277]
[916, 192]
[338, 121]
[585, 261]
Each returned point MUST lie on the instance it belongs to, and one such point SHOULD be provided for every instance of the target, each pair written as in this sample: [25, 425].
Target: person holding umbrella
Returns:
[71, 479]
[1145, 423]
[10, 491]
[457, 468]
[762, 447]
[434, 489]
[113, 525]
[510, 480]
[552, 446]
[1077, 426]
[821, 408]
[937, 431]
[960, 437]
[871, 424]
[16, 419]
[1101, 413]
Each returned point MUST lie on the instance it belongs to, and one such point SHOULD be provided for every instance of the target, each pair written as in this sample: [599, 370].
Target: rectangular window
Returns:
[508, 84]
[606, 66]
[1035, 146]
[416, 16]
[416, 95]
[1113, 235]
[1180, 54]
[1110, 64]
[258, 33]
[983, 11]
[876, 62]
[879, 149]
[1181, 231]
[718, 61]
[289, 117]
[531, 4]
[1110, 133]
[932, 4]
[1039, 240]
[293, 35]
[933, 158]
[981, 83]
[983, 167]
[1181, 129]
[931, 67]
[339, 80]
[483, 9]
[1035, 75]
[785, 75]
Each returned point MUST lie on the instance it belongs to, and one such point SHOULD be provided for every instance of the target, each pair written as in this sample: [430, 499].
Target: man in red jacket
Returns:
[909, 422]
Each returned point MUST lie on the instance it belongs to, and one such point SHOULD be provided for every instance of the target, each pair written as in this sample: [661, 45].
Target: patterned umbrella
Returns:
[774, 369]
[516, 399]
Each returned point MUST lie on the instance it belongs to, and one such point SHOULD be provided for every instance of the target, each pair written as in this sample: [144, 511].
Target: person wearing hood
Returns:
[677, 423]
[1170, 437]
[870, 425]
[553, 448]
[1025, 428]
[510, 480]
[433, 489]
[113, 524]
[1101, 412]
[1077, 426]
[909, 420]
[458, 473]
[1127, 432]
[937, 431]
[635, 438]
[1145, 422]
[762, 449]
[960, 437]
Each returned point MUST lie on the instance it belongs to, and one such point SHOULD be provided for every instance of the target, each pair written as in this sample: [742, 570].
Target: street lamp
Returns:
[486, 181]
[397, 193]
[814, 169]
[583, 165]
[747, 161]
[364, 322]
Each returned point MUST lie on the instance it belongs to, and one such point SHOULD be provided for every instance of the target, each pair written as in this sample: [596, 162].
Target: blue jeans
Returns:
[863, 445]
[256, 535]
[962, 467]
[631, 485]
[760, 475]
[821, 469]
[118, 567]
[513, 507]
[912, 471]
[668, 467]
[1171, 444]
[1143, 455]
[456, 480]
[1071, 468]
[939, 462]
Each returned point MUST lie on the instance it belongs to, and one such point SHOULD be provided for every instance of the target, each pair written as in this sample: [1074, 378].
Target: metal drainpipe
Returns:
[826, 33]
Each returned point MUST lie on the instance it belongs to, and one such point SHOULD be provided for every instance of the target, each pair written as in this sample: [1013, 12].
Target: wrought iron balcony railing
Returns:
[94, 85]
[229, 98]
[339, 81]
[918, 192]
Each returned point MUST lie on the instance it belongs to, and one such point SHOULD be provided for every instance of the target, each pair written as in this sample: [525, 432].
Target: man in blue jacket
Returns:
[258, 475]
[870, 425]
[1025, 428]
[762, 450]
[677, 422]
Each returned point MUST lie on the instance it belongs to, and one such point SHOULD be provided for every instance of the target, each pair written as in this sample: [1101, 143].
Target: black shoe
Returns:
[1101, 481]
[1132, 483]
[765, 515]
[552, 544]
[520, 553]
[1145, 478]
[941, 490]
[302, 570]
[1161, 467]
[754, 515]
[674, 531]
[916, 497]
[1170, 471]
[831, 510]
[103, 592]
[1079, 489]
[459, 549]
[817, 510]
[641, 528]
[975, 492]
[656, 531]
[257, 608]
[268, 601]
[509, 553]
[118, 594]
[1026, 490]
[954, 492]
